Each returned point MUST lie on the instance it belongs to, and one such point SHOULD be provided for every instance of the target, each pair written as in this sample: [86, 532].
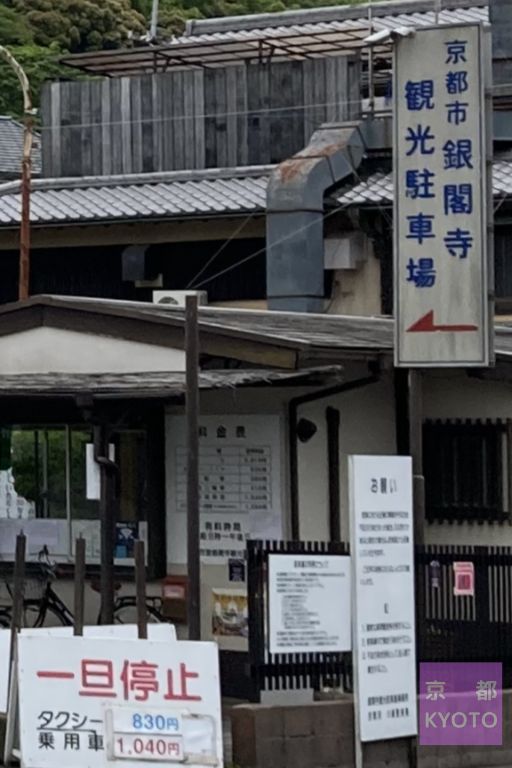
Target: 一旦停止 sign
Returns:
[84, 701]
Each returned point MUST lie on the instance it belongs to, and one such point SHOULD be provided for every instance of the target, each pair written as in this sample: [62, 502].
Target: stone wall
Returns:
[321, 735]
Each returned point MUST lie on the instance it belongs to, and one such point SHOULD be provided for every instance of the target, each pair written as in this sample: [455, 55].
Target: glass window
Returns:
[43, 479]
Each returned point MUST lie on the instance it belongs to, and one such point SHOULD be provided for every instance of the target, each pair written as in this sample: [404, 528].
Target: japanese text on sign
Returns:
[383, 574]
[440, 199]
[150, 684]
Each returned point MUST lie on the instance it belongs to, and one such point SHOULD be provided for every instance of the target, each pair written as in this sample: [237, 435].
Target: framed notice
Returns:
[239, 484]
[309, 603]
[384, 615]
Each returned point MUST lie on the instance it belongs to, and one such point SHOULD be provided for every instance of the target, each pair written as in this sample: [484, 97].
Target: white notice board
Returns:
[131, 702]
[442, 303]
[240, 484]
[384, 618]
[5, 657]
[309, 603]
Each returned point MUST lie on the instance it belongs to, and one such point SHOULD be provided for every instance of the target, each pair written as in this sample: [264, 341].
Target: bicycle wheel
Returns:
[5, 618]
[126, 613]
[38, 614]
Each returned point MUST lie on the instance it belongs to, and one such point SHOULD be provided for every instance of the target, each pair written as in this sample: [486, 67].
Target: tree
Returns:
[40, 64]
[14, 29]
[81, 25]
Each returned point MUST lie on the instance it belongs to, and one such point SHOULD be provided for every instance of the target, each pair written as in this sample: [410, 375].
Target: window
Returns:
[43, 490]
[503, 269]
[465, 466]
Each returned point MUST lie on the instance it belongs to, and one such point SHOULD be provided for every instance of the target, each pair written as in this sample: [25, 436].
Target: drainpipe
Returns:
[332, 417]
[293, 407]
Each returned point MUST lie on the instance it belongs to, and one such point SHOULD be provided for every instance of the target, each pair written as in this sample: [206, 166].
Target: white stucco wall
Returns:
[456, 396]
[367, 426]
[54, 350]
[357, 291]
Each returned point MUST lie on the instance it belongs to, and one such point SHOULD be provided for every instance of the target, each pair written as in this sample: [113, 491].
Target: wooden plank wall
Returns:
[247, 114]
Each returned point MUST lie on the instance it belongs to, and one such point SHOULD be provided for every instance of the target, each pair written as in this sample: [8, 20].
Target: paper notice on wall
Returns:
[230, 616]
[12, 505]
[92, 472]
[51, 534]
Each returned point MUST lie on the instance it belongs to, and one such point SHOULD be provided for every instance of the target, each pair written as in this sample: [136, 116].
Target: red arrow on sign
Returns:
[426, 325]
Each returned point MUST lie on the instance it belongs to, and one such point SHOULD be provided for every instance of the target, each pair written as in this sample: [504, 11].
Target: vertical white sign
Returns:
[383, 578]
[442, 303]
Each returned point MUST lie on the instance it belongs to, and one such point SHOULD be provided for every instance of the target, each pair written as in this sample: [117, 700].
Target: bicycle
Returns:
[41, 600]
[39, 597]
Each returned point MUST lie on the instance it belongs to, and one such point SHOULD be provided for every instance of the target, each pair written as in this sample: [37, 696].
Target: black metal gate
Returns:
[465, 628]
[286, 671]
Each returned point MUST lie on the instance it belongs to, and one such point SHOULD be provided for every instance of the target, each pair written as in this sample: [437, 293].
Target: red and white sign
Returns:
[87, 702]
[463, 579]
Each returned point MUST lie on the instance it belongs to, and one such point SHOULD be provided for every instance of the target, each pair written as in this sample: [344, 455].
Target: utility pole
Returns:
[26, 172]
[154, 20]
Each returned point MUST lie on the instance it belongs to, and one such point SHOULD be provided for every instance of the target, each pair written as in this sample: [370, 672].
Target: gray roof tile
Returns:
[146, 196]
[11, 146]
[377, 189]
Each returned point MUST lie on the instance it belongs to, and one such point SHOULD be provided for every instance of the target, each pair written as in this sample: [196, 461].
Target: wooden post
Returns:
[79, 586]
[18, 585]
[107, 522]
[333, 468]
[192, 415]
[140, 590]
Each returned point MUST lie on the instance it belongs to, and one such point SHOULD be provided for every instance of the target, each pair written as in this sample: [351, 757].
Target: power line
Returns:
[219, 250]
[263, 250]
[200, 116]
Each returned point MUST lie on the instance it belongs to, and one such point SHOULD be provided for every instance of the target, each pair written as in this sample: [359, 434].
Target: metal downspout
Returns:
[293, 407]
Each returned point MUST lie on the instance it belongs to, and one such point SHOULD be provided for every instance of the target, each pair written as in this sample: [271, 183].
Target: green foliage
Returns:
[81, 25]
[39, 32]
[40, 64]
[14, 29]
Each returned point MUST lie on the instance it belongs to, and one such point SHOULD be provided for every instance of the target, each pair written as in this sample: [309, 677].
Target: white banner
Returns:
[384, 617]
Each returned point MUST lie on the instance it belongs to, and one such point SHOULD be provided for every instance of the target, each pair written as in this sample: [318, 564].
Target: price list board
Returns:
[240, 482]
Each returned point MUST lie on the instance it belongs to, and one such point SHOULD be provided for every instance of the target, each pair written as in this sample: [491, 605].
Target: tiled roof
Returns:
[11, 147]
[148, 196]
[179, 195]
[334, 19]
[377, 189]
[316, 32]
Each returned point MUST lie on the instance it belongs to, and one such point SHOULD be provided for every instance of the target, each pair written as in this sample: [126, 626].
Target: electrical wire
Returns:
[199, 116]
[264, 249]
[219, 250]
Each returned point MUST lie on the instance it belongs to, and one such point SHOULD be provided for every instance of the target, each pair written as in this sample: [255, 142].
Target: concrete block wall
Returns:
[321, 735]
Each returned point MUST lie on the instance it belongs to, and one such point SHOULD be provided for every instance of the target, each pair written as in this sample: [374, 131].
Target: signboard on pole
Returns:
[309, 603]
[125, 700]
[383, 575]
[442, 292]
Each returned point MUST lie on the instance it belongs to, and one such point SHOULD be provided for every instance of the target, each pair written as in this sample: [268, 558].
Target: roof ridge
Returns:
[140, 179]
[248, 22]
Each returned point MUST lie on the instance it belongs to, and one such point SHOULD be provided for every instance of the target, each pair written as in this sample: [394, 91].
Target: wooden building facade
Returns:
[252, 113]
